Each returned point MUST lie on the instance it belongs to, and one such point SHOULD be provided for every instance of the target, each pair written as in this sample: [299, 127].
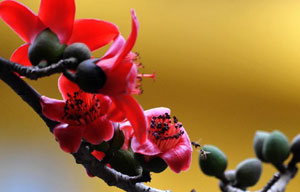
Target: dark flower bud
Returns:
[248, 173]
[117, 141]
[295, 148]
[155, 164]
[259, 139]
[89, 77]
[124, 162]
[45, 49]
[215, 162]
[77, 50]
[230, 175]
[276, 148]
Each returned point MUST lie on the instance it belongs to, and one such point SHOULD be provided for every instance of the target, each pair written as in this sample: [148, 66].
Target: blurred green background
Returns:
[225, 68]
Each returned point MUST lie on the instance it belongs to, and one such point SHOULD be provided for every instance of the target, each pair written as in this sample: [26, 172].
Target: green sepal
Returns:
[215, 163]
[248, 173]
[77, 50]
[156, 164]
[47, 48]
[295, 148]
[118, 139]
[124, 162]
[103, 147]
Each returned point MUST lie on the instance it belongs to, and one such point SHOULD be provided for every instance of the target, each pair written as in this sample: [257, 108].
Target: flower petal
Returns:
[134, 113]
[98, 130]
[94, 33]
[130, 41]
[21, 55]
[53, 108]
[179, 158]
[59, 16]
[66, 87]
[128, 133]
[68, 137]
[21, 19]
[98, 154]
[115, 48]
[115, 114]
[155, 112]
[147, 148]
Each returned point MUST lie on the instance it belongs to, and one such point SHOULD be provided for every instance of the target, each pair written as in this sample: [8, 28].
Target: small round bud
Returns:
[215, 163]
[89, 77]
[45, 49]
[156, 164]
[259, 139]
[295, 148]
[248, 172]
[276, 148]
[230, 175]
[117, 141]
[77, 50]
[124, 162]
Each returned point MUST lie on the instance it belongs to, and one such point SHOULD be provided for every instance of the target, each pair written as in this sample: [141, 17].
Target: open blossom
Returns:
[81, 116]
[58, 16]
[166, 139]
[120, 66]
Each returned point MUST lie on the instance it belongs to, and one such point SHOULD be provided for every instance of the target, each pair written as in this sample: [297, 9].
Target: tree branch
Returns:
[83, 156]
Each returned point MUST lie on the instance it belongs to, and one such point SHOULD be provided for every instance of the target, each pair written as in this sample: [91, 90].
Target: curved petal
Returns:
[53, 108]
[66, 87]
[68, 137]
[21, 55]
[105, 103]
[115, 48]
[134, 113]
[115, 114]
[179, 157]
[94, 33]
[155, 112]
[98, 154]
[59, 16]
[21, 19]
[128, 132]
[130, 41]
[147, 148]
[99, 130]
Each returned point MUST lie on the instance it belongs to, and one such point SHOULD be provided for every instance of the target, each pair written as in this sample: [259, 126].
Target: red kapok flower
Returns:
[81, 115]
[166, 139]
[120, 67]
[58, 15]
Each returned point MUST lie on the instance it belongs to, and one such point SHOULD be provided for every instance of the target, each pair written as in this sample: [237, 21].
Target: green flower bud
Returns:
[77, 50]
[103, 147]
[230, 175]
[45, 49]
[155, 165]
[215, 162]
[295, 148]
[124, 162]
[89, 77]
[248, 172]
[259, 138]
[117, 141]
[276, 148]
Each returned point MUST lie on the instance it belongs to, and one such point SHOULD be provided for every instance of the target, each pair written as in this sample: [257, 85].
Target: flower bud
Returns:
[215, 162]
[259, 139]
[117, 141]
[230, 175]
[295, 148]
[248, 172]
[155, 164]
[77, 50]
[89, 77]
[276, 148]
[124, 162]
[45, 49]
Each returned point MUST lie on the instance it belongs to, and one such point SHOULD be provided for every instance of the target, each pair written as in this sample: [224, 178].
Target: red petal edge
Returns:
[94, 33]
[21, 55]
[21, 19]
[59, 16]
[52, 108]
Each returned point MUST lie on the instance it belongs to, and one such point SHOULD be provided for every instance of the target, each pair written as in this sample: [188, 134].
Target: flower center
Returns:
[134, 57]
[165, 131]
[81, 110]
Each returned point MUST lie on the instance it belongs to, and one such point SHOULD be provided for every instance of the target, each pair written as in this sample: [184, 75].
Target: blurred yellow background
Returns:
[225, 68]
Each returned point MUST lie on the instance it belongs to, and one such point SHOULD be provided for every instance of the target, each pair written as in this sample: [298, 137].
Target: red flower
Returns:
[166, 139]
[58, 15]
[122, 79]
[81, 115]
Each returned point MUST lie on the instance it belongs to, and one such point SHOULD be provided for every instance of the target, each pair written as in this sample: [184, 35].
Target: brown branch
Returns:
[83, 156]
